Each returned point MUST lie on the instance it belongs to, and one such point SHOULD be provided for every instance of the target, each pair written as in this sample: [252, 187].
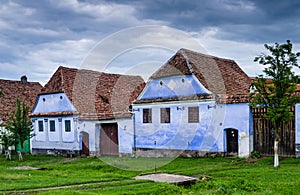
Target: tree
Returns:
[19, 124]
[276, 89]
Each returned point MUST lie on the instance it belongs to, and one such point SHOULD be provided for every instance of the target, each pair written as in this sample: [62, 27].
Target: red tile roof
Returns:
[96, 95]
[221, 76]
[24, 91]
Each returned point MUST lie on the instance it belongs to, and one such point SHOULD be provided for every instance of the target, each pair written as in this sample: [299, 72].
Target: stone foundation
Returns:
[165, 153]
[56, 152]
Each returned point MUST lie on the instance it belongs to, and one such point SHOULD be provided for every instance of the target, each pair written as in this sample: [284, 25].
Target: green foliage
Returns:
[276, 88]
[19, 125]
[255, 154]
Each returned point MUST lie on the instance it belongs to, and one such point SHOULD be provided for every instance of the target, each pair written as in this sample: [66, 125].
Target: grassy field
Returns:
[93, 176]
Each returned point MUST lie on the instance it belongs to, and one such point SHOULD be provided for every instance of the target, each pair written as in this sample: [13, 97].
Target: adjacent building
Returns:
[12, 90]
[85, 112]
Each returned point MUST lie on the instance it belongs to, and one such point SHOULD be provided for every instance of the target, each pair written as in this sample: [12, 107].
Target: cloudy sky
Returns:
[135, 37]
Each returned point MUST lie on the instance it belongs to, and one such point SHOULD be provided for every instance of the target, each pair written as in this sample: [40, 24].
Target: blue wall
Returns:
[56, 102]
[207, 135]
[176, 86]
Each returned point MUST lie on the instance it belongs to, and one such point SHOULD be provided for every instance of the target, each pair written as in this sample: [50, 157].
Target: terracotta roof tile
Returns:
[221, 76]
[96, 95]
[24, 91]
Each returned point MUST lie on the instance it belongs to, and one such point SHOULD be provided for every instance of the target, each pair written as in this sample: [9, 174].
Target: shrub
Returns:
[255, 154]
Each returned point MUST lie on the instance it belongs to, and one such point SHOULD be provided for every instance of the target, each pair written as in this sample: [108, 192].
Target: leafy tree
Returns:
[276, 89]
[19, 124]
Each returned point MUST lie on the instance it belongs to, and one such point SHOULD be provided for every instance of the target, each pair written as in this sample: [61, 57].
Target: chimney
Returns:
[24, 80]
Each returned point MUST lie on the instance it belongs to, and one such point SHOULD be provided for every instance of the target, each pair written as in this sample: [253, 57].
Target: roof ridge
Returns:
[182, 52]
[18, 81]
[96, 71]
[62, 77]
[202, 54]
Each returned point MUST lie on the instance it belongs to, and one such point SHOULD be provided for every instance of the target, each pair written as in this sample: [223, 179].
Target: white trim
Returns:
[144, 90]
[177, 102]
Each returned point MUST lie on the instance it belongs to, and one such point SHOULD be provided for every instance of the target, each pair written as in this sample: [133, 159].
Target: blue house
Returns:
[194, 105]
[85, 112]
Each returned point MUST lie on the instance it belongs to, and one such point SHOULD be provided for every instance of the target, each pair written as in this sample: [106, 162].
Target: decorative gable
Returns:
[53, 105]
[173, 87]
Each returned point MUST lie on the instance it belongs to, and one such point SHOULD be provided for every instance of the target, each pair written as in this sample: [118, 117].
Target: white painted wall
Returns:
[125, 134]
[59, 139]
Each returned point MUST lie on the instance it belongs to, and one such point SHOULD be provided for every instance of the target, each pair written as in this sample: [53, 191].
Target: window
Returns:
[52, 125]
[165, 115]
[41, 126]
[193, 114]
[67, 126]
[147, 115]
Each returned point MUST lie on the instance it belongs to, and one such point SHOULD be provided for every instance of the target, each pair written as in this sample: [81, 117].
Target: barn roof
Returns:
[23, 90]
[95, 95]
[223, 77]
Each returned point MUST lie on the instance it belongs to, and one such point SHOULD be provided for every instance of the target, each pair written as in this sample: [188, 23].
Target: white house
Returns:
[85, 112]
[195, 104]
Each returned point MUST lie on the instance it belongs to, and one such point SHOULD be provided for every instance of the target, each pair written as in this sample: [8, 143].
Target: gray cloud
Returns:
[38, 36]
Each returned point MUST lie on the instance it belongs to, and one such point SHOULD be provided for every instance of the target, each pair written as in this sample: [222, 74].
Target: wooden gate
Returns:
[264, 134]
[109, 144]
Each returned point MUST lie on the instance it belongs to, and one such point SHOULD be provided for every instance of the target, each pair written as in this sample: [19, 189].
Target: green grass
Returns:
[216, 176]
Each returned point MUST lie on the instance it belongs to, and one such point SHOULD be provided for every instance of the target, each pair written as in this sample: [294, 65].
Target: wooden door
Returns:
[85, 143]
[109, 144]
[232, 141]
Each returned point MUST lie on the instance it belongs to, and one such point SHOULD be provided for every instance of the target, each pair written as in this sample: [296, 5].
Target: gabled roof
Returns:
[23, 90]
[223, 77]
[96, 95]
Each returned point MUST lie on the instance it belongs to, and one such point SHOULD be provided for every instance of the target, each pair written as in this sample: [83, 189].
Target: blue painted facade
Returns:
[55, 102]
[206, 135]
[171, 87]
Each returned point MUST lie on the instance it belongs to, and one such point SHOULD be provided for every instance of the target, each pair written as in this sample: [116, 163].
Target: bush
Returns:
[255, 154]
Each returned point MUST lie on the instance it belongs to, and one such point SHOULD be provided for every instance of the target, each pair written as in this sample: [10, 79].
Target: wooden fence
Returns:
[264, 136]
